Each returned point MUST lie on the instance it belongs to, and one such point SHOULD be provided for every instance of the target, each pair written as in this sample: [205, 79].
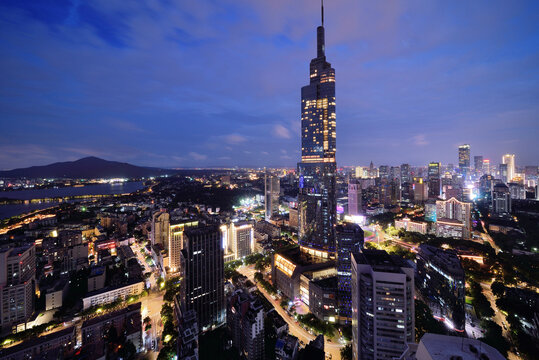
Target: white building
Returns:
[108, 295]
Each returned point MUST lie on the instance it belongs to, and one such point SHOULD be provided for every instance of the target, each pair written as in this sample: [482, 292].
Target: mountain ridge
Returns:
[90, 167]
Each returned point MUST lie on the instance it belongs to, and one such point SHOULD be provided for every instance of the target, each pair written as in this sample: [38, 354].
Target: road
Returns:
[499, 317]
[332, 348]
[486, 237]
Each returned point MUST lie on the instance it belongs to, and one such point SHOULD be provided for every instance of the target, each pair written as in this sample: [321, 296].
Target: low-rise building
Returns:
[286, 348]
[58, 345]
[55, 295]
[110, 294]
[412, 226]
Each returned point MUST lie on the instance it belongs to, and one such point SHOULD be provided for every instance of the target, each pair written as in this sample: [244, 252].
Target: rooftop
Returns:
[380, 260]
[443, 347]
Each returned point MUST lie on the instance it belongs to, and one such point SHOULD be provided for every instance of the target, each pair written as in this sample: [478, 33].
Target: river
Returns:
[10, 210]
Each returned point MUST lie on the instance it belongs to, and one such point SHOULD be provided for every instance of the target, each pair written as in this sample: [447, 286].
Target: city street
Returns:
[331, 348]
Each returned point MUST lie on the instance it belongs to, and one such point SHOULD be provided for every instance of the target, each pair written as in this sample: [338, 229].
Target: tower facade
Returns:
[509, 160]
[434, 176]
[272, 189]
[202, 266]
[316, 198]
[354, 197]
[383, 317]
[464, 159]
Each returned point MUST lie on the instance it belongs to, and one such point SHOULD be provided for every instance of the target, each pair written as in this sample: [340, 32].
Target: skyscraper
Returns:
[405, 174]
[478, 164]
[354, 197]
[464, 159]
[435, 184]
[503, 170]
[350, 239]
[272, 191]
[17, 285]
[509, 160]
[501, 199]
[203, 285]
[160, 228]
[316, 198]
[383, 319]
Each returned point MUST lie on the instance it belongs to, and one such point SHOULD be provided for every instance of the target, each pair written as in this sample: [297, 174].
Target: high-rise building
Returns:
[203, 285]
[405, 174]
[420, 190]
[271, 199]
[354, 197]
[464, 159]
[176, 242]
[350, 239]
[383, 319]
[17, 285]
[317, 169]
[503, 170]
[478, 165]
[509, 160]
[435, 182]
[440, 279]
[160, 232]
[486, 166]
[501, 199]
[241, 238]
[453, 218]
[383, 171]
[245, 319]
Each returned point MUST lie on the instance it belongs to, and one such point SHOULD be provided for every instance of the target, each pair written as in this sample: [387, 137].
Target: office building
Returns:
[187, 345]
[160, 232]
[176, 243]
[478, 165]
[420, 190]
[440, 280]
[453, 219]
[486, 166]
[238, 239]
[518, 191]
[354, 197]
[202, 268]
[350, 238]
[317, 169]
[503, 173]
[383, 317]
[406, 176]
[323, 299]
[17, 285]
[434, 178]
[444, 347]
[464, 159]
[245, 319]
[509, 160]
[272, 190]
[501, 199]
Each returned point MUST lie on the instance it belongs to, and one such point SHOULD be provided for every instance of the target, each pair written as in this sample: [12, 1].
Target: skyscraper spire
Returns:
[322, 12]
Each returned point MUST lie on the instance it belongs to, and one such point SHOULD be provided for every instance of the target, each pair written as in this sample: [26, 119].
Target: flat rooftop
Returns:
[443, 347]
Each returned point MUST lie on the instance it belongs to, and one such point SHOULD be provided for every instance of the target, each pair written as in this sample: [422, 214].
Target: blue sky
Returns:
[217, 82]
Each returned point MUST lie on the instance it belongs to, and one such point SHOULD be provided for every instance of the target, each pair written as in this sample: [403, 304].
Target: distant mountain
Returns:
[85, 168]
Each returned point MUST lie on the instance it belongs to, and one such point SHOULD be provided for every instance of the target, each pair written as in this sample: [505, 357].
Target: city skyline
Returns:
[146, 85]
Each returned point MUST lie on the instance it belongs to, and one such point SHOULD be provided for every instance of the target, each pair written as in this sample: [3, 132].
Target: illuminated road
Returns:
[331, 348]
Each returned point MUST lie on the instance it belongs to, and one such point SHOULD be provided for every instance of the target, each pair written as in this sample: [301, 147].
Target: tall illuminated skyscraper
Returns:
[435, 184]
[317, 203]
[464, 159]
[509, 160]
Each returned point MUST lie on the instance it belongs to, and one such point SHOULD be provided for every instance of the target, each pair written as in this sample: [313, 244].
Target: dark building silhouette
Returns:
[203, 275]
[350, 238]
[440, 279]
[317, 202]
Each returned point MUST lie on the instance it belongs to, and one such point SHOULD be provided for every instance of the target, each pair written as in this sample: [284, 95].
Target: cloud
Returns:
[420, 140]
[235, 139]
[281, 132]
[198, 157]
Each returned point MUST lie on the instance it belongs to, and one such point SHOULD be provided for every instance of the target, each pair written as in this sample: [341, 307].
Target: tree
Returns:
[425, 322]
[346, 352]
[498, 288]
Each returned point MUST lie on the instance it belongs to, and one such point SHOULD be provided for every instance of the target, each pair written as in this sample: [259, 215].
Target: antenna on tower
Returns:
[322, 12]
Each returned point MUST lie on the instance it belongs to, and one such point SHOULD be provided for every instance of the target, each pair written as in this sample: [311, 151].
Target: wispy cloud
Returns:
[235, 139]
[281, 132]
[198, 157]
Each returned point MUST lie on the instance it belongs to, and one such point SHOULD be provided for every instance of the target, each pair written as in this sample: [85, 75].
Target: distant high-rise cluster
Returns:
[272, 191]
